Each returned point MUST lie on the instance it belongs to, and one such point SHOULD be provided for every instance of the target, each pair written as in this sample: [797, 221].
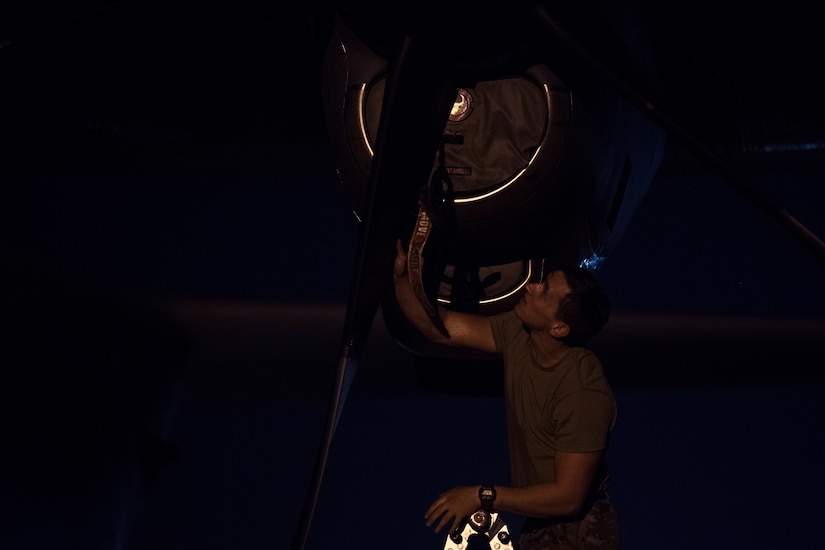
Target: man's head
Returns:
[585, 309]
[569, 304]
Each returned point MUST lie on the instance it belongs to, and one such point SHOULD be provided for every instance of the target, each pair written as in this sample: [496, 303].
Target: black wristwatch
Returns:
[487, 496]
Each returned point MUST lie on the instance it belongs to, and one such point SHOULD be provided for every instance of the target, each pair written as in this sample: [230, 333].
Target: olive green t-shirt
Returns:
[569, 407]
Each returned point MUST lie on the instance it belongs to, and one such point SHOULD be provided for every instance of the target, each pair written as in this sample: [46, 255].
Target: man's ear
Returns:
[559, 329]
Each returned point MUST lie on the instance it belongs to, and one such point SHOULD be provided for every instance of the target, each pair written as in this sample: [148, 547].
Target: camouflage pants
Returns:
[598, 529]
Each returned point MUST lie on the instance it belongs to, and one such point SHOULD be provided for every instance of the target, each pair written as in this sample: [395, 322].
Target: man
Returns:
[560, 409]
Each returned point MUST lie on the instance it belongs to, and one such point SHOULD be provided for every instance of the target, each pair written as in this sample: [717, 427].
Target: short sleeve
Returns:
[583, 421]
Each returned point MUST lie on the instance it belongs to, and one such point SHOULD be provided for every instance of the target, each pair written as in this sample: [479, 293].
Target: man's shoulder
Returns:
[508, 316]
[584, 369]
[505, 321]
[506, 327]
[583, 358]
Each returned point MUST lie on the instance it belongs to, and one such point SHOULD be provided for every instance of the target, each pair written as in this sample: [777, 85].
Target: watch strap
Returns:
[487, 496]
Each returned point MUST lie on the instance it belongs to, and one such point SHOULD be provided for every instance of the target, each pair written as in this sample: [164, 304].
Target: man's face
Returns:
[540, 302]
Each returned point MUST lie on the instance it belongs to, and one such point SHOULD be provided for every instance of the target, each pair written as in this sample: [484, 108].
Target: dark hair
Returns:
[585, 309]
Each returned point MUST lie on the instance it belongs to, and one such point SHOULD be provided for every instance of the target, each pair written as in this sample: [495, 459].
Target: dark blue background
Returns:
[180, 255]
[715, 347]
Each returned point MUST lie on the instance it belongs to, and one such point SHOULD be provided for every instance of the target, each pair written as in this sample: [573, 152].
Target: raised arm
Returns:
[465, 329]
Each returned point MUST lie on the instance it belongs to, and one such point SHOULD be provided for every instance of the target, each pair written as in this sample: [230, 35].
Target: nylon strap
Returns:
[415, 261]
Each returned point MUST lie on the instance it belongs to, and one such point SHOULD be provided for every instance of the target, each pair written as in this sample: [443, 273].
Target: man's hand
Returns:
[400, 268]
[455, 504]
[463, 330]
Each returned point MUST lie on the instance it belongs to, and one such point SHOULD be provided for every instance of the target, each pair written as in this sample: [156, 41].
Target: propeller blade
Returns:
[417, 102]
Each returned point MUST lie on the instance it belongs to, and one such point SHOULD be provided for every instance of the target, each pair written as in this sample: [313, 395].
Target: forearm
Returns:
[414, 311]
[538, 501]
[461, 330]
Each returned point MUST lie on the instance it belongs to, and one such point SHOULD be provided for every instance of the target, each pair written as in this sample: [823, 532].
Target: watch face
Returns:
[487, 495]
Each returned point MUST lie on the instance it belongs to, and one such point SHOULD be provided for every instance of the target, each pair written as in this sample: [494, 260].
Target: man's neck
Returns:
[548, 351]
